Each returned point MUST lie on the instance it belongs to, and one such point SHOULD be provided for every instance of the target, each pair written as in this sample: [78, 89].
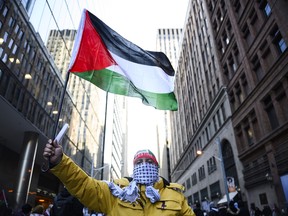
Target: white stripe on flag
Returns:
[144, 77]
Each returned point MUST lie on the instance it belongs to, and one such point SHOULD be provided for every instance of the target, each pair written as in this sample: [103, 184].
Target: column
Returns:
[25, 167]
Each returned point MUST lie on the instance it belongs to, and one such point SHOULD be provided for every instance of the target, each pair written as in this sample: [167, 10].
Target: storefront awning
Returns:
[231, 196]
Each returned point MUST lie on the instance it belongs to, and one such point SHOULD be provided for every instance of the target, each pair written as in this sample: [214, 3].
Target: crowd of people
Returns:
[145, 193]
[238, 209]
[66, 205]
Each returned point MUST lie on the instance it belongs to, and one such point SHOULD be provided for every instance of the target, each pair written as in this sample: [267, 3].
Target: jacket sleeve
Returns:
[92, 193]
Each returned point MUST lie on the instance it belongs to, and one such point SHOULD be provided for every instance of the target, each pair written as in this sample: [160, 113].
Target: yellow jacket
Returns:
[96, 195]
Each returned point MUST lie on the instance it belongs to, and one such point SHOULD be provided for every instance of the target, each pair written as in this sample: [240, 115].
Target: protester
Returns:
[222, 209]
[47, 211]
[197, 210]
[232, 209]
[213, 210]
[276, 211]
[37, 211]
[267, 211]
[145, 194]
[4, 209]
[66, 205]
[25, 210]
[243, 209]
[258, 212]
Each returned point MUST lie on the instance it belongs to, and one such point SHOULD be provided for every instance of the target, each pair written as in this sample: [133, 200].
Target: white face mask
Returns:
[146, 173]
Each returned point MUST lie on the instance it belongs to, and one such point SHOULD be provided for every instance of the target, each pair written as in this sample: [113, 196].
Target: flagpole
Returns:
[61, 104]
[45, 166]
[103, 142]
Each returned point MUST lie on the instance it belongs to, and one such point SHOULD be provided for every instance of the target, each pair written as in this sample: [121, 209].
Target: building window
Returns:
[270, 110]
[211, 165]
[278, 40]
[257, 68]
[196, 197]
[237, 5]
[20, 35]
[223, 112]
[194, 179]
[10, 43]
[267, 9]
[14, 49]
[201, 173]
[233, 65]
[204, 194]
[215, 190]
[282, 101]
[239, 93]
[188, 183]
[5, 11]
[249, 135]
[263, 199]
[190, 201]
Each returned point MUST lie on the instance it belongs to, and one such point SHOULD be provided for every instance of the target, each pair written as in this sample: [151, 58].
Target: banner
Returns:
[231, 184]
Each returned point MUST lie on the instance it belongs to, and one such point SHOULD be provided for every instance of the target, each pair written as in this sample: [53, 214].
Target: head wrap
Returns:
[146, 153]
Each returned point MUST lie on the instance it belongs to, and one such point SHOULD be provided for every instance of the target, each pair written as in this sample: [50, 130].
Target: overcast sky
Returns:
[136, 20]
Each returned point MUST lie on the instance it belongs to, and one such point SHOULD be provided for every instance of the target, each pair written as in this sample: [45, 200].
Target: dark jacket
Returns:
[66, 205]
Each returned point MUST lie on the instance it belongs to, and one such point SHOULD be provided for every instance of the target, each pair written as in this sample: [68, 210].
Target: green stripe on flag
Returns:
[115, 83]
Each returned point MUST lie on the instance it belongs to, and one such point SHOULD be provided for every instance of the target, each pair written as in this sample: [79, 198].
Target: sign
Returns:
[231, 184]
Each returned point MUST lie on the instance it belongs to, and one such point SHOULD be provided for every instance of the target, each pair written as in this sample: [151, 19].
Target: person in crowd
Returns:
[222, 209]
[267, 211]
[276, 211]
[258, 212]
[25, 210]
[66, 205]
[47, 211]
[233, 209]
[37, 211]
[144, 194]
[252, 209]
[213, 210]
[197, 210]
[4, 209]
[243, 209]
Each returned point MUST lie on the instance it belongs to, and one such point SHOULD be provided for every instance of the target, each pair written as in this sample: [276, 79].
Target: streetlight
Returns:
[220, 158]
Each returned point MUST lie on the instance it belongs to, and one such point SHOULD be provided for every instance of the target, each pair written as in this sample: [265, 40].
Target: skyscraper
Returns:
[204, 115]
[232, 74]
[167, 41]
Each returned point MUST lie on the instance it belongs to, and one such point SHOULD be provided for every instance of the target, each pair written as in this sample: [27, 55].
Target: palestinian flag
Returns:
[114, 64]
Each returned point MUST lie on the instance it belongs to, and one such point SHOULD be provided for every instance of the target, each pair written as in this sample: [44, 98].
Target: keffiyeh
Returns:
[144, 173]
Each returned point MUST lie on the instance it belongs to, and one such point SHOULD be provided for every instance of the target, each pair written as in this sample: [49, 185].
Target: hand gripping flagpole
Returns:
[45, 165]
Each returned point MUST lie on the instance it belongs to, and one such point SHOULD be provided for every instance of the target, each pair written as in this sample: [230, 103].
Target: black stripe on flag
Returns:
[125, 49]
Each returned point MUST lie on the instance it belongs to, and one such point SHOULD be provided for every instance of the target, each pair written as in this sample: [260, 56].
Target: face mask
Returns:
[146, 173]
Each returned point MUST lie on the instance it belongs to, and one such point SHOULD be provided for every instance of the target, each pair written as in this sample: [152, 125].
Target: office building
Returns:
[251, 38]
[167, 41]
[204, 115]
[243, 44]
[31, 87]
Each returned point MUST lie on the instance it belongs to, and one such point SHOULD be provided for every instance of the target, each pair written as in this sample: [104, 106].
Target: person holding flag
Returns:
[145, 194]
[114, 64]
